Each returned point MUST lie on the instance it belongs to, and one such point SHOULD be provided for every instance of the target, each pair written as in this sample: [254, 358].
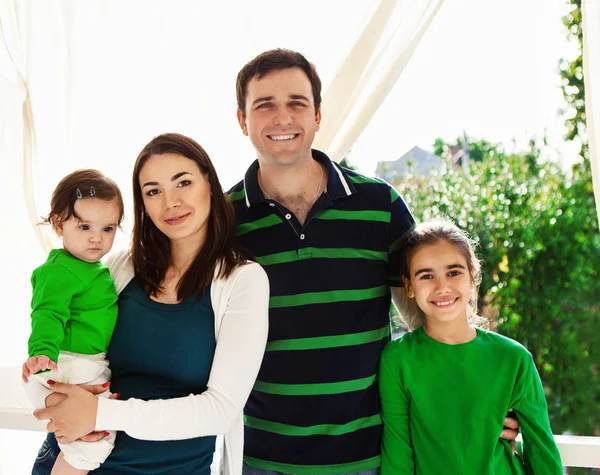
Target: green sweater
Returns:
[74, 306]
[443, 408]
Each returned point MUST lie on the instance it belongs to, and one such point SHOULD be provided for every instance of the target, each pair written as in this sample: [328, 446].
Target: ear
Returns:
[57, 225]
[409, 290]
[318, 118]
[241, 117]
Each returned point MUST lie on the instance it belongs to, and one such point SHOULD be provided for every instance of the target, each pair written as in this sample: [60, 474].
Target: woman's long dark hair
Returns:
[151, 249]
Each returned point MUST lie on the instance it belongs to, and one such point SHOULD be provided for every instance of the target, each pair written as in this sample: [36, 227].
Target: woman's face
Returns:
[177, 197]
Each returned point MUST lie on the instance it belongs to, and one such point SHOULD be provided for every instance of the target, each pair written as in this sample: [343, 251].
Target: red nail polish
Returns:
[51, 383]
[118, 395]
[106, 434]
[107, 384]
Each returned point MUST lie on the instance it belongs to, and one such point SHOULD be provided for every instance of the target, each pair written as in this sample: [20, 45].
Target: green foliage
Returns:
[571, 73]
[478, 149]
[538, 238]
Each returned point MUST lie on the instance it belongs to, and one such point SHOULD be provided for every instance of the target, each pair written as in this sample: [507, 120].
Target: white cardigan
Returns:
[240, 304]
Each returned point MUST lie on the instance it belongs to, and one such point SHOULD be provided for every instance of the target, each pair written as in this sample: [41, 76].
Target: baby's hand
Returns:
[35, 364]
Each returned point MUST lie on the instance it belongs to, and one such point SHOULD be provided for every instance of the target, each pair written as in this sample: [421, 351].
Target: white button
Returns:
[302, 236]
[272, 205]
[288, 216]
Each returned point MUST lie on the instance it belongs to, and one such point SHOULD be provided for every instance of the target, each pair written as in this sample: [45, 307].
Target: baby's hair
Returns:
[81, 184]
[433, 232]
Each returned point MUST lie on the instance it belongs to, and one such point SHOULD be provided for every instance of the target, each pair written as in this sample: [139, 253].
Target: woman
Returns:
[191, 329]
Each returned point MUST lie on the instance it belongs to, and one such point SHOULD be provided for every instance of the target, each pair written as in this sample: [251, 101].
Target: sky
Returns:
[489, 68]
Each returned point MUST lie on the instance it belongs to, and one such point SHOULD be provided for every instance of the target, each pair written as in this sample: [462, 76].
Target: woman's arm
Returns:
[396, 446]
[238, 355]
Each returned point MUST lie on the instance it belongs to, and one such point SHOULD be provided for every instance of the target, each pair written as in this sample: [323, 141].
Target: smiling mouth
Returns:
[444, 303]
[282, 138]
[177, 219]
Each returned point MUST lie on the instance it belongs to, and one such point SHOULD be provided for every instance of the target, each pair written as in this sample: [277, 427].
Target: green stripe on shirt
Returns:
[313, 389]
[365, 179]
[312, 298]
[265, 222]
[237, 195]
[321, 253]
[351, 467]
[321, 342]
[368, 215]
[321, 429]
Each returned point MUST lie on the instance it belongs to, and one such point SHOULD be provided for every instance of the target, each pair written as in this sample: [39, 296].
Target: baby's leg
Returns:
[62, 467]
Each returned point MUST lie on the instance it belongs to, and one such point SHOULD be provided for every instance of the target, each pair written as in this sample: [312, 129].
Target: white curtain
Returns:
[370, 71]
[591, 70]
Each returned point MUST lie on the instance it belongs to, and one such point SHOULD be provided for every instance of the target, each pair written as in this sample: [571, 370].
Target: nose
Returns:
[96, 238]
[171, 200]
[282, 117]
[442, 287]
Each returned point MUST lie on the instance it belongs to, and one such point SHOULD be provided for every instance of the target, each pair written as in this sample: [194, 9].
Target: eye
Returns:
[152, 192]
[454, 273]
[84, 227]
[298, 104]
[183, 183]
[264, 105]
[109, 229]
[426, 277]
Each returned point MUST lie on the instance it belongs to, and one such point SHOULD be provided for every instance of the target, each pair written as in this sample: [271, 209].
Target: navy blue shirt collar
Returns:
[339, 184]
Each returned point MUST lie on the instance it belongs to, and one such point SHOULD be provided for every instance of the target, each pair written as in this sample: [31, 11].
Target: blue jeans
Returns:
[248, 470]
[46, 456]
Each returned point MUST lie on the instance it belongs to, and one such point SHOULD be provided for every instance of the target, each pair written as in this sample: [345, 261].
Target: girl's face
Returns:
[441, 282]
[177, 197]
[91, 237]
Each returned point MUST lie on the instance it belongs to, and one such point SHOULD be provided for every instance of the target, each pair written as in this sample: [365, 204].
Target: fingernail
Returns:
[118, 395]
[106, 434]
[51, 382]
[107, 384]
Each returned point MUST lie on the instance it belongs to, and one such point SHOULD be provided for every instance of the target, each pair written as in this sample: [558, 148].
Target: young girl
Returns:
[74, 303]
[446, 387]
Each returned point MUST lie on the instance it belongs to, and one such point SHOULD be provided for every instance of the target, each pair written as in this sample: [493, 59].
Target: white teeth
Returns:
[444, 304]
[282, 137]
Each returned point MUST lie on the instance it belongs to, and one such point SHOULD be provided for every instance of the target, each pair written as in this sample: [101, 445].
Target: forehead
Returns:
[283, 82]
[437, 256]
[96, 210]
[165, 166]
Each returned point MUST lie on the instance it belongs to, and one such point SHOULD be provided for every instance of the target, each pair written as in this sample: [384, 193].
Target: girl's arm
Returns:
[238, 355]
[396, 447]
[540, 452]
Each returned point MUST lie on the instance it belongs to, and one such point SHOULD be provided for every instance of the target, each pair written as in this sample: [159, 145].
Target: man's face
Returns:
[280, 117]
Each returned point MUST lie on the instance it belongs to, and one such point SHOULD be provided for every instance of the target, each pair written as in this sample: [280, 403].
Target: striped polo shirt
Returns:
[314, 408]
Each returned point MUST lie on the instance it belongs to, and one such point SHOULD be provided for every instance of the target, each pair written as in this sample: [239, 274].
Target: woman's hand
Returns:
[73, 418]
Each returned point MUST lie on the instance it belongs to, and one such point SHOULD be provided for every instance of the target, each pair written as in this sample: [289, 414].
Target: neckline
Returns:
[478, 334]
[140, 296]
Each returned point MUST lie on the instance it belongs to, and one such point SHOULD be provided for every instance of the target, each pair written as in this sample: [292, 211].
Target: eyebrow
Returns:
[451, 266]
[270, 98]
[173, 178]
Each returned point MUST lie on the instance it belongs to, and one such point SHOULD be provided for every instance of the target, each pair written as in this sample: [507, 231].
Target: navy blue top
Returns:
[160, 351]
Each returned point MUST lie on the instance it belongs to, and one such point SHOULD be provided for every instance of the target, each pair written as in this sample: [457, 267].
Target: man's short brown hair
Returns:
[276, 60]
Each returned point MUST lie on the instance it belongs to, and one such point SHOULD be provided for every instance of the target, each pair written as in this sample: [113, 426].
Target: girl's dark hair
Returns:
[81, 184]
[276, 60]
[151, 249]
[434, 232]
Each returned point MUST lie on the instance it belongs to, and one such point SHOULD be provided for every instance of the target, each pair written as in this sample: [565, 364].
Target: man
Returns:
[327, 237]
